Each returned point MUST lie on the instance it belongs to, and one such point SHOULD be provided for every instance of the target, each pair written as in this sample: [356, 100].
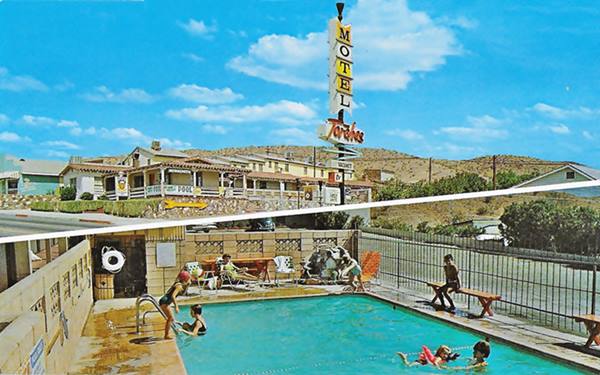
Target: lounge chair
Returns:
[369, 262]
[284, 264]
[201, 277]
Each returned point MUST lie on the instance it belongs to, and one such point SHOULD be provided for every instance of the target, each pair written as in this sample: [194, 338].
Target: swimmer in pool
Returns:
[481, 350]
[197, 328]
[179, 286]
[442, 355]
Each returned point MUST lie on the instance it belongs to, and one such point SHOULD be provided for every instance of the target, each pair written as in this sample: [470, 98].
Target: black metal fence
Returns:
[543, 287]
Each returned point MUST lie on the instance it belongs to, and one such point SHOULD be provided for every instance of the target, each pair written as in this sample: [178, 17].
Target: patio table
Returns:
[260, 266]
[592, 323]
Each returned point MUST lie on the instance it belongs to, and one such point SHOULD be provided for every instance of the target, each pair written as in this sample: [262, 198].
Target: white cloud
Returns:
[62, 144]
[559, 129]
[4, 118]
[562, 113]
[79, 131]
[215, 129]
[283, 111]
[193, 57]
[12, 137]
[199, 94]
[391, 43]
[479, 129]
[294, 136]
[67, 124]
[136, 137]
[198, 28]
[57, 154]
[132, 95]
[37, 120]
[587, 135]
[14, 83]
[174, 143]
[407, 134]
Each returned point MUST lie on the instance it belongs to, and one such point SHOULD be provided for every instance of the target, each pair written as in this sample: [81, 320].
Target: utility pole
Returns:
[315, 161]
[494, 172]
[430, 165]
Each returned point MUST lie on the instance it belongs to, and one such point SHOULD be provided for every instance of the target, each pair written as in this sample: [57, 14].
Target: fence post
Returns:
[469, 279]
[594, 269]
[397, 261]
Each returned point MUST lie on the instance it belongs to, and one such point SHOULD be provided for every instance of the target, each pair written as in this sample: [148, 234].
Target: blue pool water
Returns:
[332, 335]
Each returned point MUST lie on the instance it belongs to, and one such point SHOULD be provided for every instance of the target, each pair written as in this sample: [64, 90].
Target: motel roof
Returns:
[189, 165]
[41, 167]
[93, 168]
[590, 173]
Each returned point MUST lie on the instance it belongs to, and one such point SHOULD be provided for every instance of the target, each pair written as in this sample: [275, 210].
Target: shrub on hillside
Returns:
[460, 183]
[331, 220]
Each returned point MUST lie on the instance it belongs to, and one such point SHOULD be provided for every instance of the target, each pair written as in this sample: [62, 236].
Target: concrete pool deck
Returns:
[110, 344]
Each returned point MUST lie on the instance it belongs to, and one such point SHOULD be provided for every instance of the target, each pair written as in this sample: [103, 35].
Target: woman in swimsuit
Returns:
[183, 281]
[197, 328]
[441, 357]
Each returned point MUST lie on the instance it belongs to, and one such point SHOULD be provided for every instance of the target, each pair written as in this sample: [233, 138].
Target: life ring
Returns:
[109, 255]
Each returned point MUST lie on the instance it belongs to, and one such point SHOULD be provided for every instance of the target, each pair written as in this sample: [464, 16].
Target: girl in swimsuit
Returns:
[353, 268]
[197, 328]
[441, 357]
[170, 297]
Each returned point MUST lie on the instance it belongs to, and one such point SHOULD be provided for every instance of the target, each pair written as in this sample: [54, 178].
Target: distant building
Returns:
[568, 173]
[490, 227]
[378, 175]
[87, 177]
[29, 177]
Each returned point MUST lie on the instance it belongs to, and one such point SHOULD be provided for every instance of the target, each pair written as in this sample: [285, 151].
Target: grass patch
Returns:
[43, 206]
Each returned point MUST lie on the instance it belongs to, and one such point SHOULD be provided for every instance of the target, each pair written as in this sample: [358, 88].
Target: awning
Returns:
[10, 175]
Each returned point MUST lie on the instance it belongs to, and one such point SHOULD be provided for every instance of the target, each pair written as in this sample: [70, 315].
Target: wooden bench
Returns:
[485, 299]
[592, 323]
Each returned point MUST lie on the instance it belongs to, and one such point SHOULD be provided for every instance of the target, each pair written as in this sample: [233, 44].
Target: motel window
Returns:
[322, 173]
[253, 166]
[110, 184]
[13, 184]
[262, 184]
[270, 165]
[73, 182]
[305, 170]
[260, 167]
[287, 167]
[570, 175]
[199, 179]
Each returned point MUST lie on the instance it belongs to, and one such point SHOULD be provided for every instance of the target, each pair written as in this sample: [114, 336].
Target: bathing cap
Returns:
[184, 276]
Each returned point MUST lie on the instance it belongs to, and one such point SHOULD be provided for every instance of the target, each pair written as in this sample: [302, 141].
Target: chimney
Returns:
[155, 145]
[75, 160]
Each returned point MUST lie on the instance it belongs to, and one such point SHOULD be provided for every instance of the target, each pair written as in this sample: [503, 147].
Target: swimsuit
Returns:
[167, 299]
[202, 329]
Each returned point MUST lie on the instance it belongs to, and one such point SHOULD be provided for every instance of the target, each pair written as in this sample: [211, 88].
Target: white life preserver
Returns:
[109, 255]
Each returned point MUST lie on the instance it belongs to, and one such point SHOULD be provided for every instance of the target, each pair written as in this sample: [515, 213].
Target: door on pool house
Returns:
[131, 280]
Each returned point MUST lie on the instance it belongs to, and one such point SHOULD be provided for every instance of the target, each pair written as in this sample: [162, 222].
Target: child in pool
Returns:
[481, 350]
[184, 279]
[443, 354]
[197, 328]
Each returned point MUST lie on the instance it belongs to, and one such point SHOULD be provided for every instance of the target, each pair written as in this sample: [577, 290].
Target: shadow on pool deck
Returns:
[110, 344]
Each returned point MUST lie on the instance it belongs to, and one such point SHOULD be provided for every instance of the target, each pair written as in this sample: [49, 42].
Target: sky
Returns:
[433, 78]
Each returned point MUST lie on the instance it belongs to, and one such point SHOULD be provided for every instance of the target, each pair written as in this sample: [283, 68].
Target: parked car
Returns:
[201, 228]
[262, 225]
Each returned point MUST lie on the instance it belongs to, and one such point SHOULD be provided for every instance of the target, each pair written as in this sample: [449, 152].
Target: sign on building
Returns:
[340, 66]
[166, 254]
[338, 133]
[332, 195]
[121, 185]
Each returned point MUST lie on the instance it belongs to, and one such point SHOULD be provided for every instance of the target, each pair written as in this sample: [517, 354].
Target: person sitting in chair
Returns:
[236, 273]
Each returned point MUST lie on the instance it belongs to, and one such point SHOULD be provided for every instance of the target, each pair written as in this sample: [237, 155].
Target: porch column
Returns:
[254, 186]
[116, 184]
[244, 184]
[369, 195]
[281, 188]
[144, 182]
[194, 183]
[222, 179]
[162, 182]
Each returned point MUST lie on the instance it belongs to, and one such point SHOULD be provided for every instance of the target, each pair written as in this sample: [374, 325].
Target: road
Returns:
[23, 222]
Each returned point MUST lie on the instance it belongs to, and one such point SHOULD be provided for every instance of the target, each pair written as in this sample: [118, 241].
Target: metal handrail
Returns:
[151, 299]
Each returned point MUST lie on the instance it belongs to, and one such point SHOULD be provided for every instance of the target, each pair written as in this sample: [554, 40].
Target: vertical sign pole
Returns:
[341, 148]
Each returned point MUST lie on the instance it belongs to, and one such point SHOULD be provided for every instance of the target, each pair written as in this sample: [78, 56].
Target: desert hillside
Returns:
[445, 212]
[408, 168]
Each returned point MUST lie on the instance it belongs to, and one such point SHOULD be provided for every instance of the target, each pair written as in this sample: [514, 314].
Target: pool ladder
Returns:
[151, 299]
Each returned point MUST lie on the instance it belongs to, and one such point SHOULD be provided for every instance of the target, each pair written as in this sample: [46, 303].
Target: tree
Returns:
[68, 193]
[331, 220]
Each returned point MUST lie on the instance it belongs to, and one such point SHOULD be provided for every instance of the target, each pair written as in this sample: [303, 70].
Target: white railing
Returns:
[137, 192]
[112, 195]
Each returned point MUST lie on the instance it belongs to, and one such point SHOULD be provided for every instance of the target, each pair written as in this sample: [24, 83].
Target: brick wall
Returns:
[31, 309]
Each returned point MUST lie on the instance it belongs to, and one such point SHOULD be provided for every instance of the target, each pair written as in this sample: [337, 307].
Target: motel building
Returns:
[156, 172]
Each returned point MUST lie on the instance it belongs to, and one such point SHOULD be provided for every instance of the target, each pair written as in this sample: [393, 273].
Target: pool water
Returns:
[332, 335]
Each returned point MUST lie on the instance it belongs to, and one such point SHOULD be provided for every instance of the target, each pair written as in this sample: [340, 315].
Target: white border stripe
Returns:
[303, 211]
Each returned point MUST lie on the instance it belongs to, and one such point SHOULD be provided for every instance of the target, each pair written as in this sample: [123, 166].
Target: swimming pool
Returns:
[332, 335]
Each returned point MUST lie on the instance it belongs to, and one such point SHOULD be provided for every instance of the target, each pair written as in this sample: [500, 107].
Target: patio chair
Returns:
[284, 264]
[225, 277]
[201, 277]
[369, 262]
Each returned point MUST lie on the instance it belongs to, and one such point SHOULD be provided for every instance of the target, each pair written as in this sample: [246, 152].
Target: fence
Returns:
[539, 286]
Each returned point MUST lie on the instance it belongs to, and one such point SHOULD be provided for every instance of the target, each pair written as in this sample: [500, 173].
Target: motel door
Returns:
[131, 280]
